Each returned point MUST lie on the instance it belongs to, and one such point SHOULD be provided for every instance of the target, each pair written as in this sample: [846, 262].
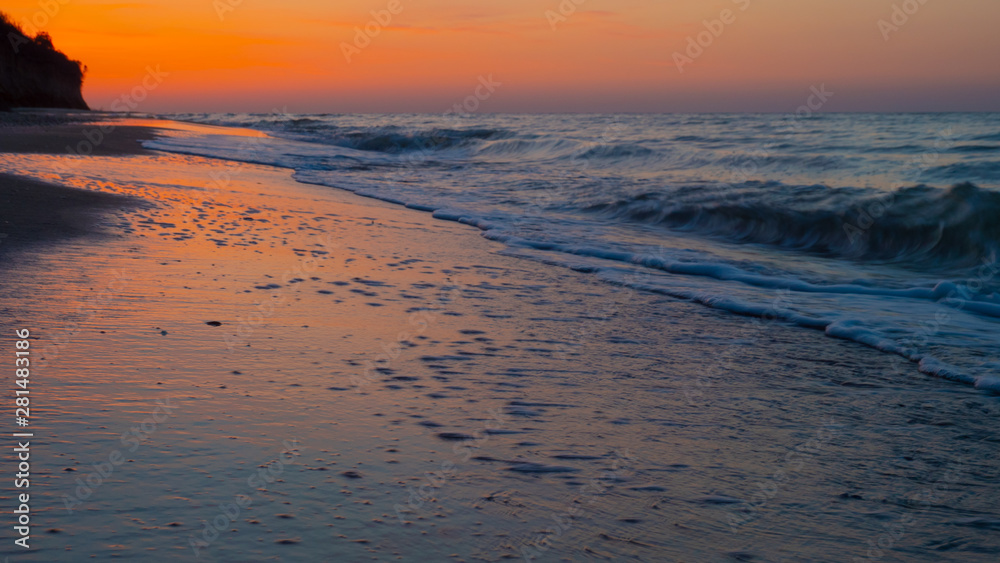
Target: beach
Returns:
[232, 365]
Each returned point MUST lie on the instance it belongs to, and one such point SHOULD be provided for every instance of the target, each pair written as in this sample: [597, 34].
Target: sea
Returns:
[882, 229]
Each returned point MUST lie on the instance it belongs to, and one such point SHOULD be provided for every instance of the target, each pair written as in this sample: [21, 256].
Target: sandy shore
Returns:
[66, 133]
[257, 370]
[33, 211]
[82, 140]
[37, 212]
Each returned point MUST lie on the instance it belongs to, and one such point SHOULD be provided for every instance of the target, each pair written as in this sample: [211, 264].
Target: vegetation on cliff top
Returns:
[34, 74]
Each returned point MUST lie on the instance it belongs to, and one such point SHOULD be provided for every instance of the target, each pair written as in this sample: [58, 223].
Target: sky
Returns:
[536, 55]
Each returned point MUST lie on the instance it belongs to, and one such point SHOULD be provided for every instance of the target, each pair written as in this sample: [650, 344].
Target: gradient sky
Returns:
[607, 56]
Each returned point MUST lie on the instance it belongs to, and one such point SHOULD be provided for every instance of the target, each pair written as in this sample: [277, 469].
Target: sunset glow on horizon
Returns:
[544, 55]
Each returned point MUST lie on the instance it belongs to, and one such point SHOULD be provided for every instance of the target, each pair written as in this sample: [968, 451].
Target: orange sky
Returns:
[598, 55]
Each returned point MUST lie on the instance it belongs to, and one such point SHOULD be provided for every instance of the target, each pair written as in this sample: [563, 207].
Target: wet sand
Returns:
[69, 133]
[257, 369]
[32, 211]
[38, 212]
[82, 140]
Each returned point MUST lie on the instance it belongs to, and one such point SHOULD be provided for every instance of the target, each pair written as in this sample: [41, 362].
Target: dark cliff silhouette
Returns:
[34, 74]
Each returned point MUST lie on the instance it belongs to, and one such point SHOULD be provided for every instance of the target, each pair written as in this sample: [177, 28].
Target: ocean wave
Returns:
[616, 151]
[783, 161]
[975, 148]
[694, 139]
[528, 148]
[924, 226]
[965, 171]
[397, 142]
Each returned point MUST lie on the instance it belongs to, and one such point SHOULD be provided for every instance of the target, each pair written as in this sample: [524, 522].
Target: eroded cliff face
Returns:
[34, 74]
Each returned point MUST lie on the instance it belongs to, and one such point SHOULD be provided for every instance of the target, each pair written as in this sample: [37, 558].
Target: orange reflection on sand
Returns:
[187, 127]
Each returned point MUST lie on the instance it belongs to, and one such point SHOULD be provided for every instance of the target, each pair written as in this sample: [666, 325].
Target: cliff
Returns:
[34, 74]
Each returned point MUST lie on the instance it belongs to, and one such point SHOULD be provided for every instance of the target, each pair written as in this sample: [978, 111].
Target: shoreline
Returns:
[426, 395]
